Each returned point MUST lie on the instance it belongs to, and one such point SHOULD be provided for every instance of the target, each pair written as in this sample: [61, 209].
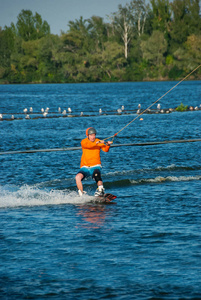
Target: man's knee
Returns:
[79, 177]
[97, 175]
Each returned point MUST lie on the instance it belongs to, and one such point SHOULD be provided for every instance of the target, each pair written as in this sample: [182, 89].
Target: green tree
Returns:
[178, 28]
[7, 43]
[110, 61]
[79, 34]
[42, 27]
[161, 10]
[192, 59]
[186, 21]
[154, 48]
[193, 45]
[98, 31]
[31, 27]
[50, 58]
[29, 61]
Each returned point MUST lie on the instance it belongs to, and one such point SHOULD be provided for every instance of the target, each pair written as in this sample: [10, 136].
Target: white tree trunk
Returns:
[138, 23]
[125, 39]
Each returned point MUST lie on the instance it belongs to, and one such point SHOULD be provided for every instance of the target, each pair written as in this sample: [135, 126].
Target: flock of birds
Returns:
[119, 111]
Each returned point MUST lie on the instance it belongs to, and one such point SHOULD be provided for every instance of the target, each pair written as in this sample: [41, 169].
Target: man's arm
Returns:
[87, 144]
[104, 147]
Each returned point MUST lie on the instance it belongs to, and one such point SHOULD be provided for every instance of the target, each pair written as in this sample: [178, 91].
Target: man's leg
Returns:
[98, 179]
[78, 179]
[99, 183]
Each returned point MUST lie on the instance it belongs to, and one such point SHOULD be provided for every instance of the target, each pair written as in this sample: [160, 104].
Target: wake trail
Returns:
[27, 196]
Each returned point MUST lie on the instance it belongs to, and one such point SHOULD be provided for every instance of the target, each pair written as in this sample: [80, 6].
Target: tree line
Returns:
[159, 40]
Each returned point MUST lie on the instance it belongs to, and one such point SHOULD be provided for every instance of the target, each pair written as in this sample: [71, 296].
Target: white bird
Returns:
[119, 111]
[158, 106]
[81, 114]
[59, 109]
[100, 111]
[196, 108]
[1, 116]
[27, 117]
[45, 114]
[42, 110]
[47, 109]
[69, 110]
[12, 117]
[25, 110]
[122, 108]
[31, 109]
[64, 112]
[138, 111]
[162, 111]
[139, 106]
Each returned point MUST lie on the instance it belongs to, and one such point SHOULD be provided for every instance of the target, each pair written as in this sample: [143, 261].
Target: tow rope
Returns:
[117, 145]
[113, 136]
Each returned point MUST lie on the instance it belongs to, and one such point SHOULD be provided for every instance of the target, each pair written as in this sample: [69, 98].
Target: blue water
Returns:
[55, 245]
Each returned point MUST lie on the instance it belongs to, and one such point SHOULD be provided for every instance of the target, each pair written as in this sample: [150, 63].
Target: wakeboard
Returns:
[106, 198]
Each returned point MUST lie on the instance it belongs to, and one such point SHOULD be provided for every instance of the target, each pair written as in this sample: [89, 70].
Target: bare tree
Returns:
[140, 11]
[122, 21]
[129, 21]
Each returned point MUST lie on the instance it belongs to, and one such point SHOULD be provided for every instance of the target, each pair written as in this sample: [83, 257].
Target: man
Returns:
[90, 161]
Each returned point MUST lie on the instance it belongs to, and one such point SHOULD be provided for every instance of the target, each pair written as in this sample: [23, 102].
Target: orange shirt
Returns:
[91, 152]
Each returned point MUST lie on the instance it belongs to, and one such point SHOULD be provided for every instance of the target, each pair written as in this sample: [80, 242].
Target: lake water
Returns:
[56, 245]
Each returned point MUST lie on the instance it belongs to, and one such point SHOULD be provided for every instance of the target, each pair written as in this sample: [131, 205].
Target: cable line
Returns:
[113, 136]
[114, 146]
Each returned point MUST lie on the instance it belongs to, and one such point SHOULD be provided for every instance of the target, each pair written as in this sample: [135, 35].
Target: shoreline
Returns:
[88, 82]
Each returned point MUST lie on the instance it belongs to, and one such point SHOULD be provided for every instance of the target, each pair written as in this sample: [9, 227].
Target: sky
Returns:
[58, 12]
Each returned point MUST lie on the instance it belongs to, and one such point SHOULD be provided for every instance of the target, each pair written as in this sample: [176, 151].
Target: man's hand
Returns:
[102, 142]
[109, 143]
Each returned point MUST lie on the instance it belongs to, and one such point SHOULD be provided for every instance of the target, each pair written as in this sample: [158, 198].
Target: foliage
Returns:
[154, 48]
[31, 27]
[182, 107]
[161, 15]
[175, 73]
[142, 41]
[6, 46]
